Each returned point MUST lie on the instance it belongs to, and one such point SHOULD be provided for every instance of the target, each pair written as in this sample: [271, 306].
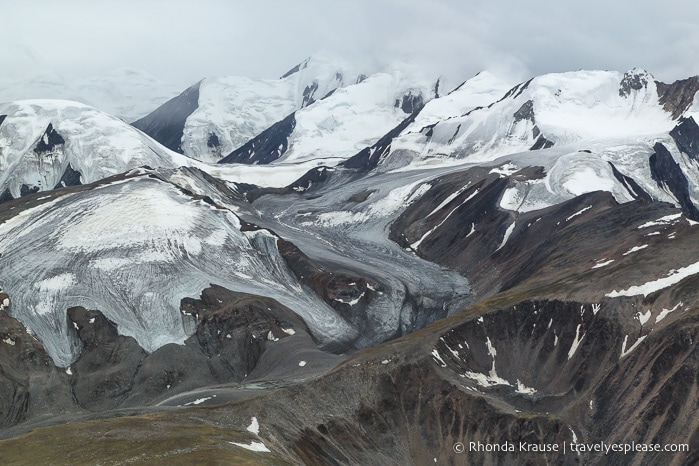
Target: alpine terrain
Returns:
[343, 268]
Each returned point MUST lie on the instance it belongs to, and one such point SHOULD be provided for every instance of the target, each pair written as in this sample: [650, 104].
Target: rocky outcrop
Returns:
[678, 96]
[267, 146]
[234, 329]
[103, 374]
[410, 102]
[70, 177]
[49, 142]
[368, 158]
[234, 332]
[669, 176]
[686, 136]
[30, 386]
[631, 185]
[633, 80]
[346, 292]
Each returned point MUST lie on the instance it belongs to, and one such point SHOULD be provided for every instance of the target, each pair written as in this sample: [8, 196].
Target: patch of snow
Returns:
[351, 302]
[666, 220]
[254, 426]
[253, 446]
[485, 380]
[624, 351]
[199, 401]
[602, 264]
[416, 244]
[289, 331]
[578, 213]
[491, 348]
[647, 288]
[302, 363]
[68, 371]
[664, 313]
[508, 232]
[505, 170]
[634, 249]
[576, 342]
[523, 389]
[450, 198]
[642, 317]
[9, 341]
[585, 181]
[438, 358]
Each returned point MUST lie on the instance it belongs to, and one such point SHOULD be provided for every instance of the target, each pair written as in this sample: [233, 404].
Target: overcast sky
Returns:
[183, 41]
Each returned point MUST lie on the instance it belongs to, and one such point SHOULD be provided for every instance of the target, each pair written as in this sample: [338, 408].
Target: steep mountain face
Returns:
[124, 93]
[525, 255]
[53, 143]
[563, 109]
[341, 124]
[166, 123]
[48, 144]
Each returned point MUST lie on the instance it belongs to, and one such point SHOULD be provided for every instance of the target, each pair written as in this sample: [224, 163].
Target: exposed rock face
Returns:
[104, 372]
[49, 142]
[525, 112]
[631, 185]
[309, 94]
[70, 177]
[686, 136]
[29, 384]
[234, 329]
[344, 291]
[668, 174]
[678, 96]
[267, 147]
[166, 123]
[410, 102]
[214, 145]
[541, 142]
[370, 157]
[633, 80]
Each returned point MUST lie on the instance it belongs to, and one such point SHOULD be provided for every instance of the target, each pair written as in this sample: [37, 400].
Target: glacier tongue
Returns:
[133, 249]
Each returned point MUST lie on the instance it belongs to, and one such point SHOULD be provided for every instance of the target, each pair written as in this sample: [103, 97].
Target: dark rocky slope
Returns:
[166, 123]
[238, 337]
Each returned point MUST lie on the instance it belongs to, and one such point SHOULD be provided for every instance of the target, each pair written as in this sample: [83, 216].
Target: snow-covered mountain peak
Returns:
[49, 143]
[318, 75]
[231, 110]
[480, 122]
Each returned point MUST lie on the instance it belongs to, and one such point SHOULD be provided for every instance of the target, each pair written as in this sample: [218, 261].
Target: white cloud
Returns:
[182, 41]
